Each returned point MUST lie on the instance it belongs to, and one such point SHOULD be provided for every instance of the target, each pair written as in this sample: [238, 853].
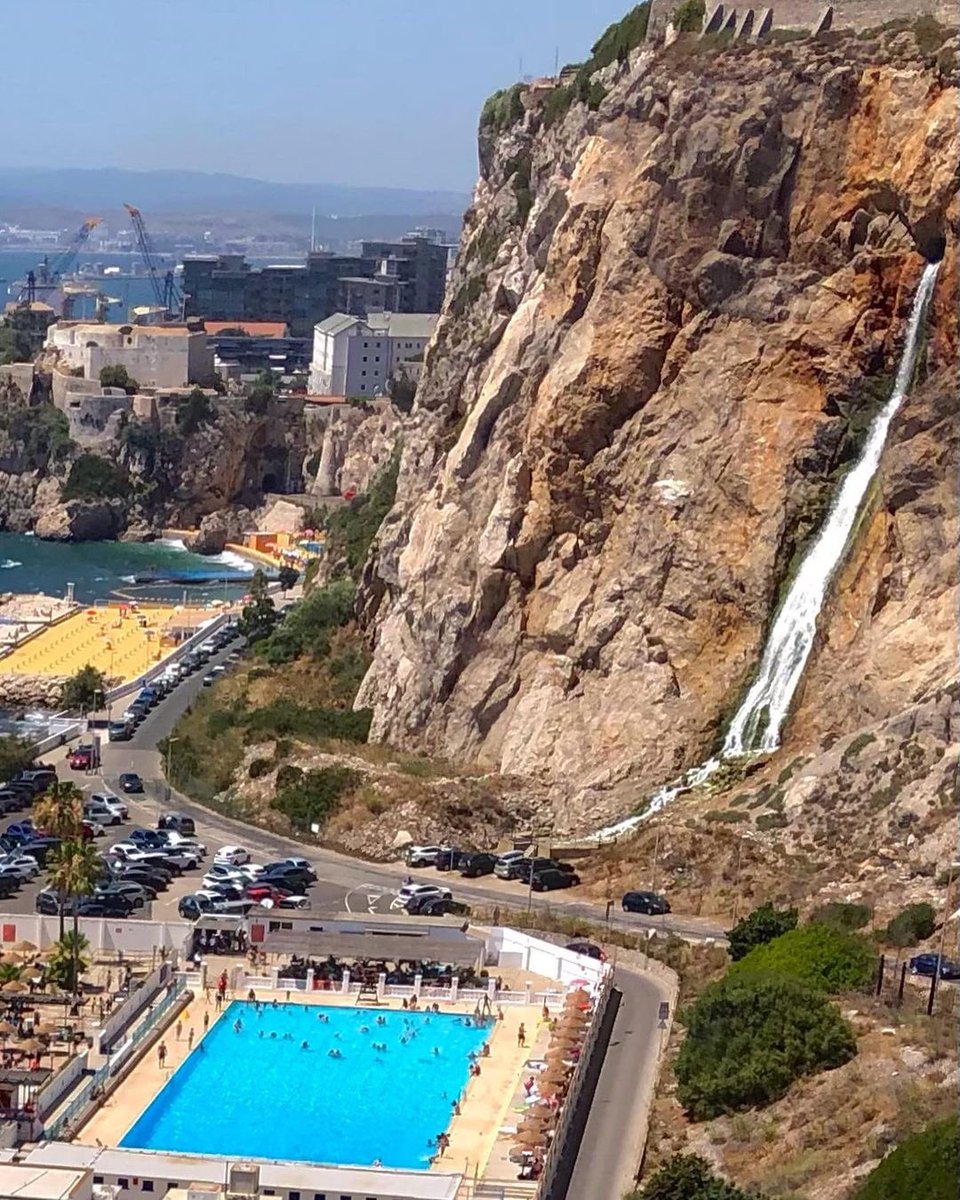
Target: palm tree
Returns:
[60, 811]
[67, 961]
[76, 872]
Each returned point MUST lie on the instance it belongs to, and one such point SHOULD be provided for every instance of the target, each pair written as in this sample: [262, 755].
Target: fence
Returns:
[895, 987]
[101, 1078]
[118, 1022]
[562, 1154]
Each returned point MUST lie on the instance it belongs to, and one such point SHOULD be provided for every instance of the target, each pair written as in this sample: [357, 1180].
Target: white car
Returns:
[422, 856]
[21, 865]
[224, 873]
[180, 841]
[232, 854]
[420, 891]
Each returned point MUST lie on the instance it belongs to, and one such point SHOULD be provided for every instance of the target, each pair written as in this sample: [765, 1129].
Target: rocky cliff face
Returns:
[670, 321]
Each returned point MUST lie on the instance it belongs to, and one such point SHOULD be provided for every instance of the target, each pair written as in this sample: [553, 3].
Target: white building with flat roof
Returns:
[356, 356]
[154, 355]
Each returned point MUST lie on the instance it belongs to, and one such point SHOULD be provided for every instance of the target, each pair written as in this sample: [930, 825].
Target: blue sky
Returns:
[349, 91]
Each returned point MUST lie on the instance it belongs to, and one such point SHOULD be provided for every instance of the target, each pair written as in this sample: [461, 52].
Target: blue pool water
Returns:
[249, 1096]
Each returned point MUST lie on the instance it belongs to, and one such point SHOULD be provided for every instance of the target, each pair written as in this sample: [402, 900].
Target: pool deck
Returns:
[484, 1107]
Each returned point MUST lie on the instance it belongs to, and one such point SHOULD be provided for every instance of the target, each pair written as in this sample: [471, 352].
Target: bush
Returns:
[838, 915]
[16, 754]
[307, 627]
[260, 767]
[749, 1038]
[81, 691]
[94, 478]
[825, 958]
[351, 530]
[286, 717]
[42, 431]
[117, 375]
[924, 1167]
[913, 924]
[502, 109]
[689, 1177]
[618, 39]
[762, 925]
[287, 775]
[688, 17]
[194, 411]
[313, 798]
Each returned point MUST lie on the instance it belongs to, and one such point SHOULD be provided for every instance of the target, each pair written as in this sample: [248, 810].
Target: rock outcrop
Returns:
[349, 444]
[669, 323]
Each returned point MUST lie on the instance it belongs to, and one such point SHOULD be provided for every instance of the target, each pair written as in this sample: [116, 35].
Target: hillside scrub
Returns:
[351, 530]
[689, 1177]
[94, 478]
[838, 915]
[925, 1165]
[910, 926]
[762, 925]
[828, 959]
[748, 1039]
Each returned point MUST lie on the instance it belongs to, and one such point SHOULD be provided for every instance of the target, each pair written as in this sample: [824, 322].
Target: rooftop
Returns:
[38, 1183]
[273, 329]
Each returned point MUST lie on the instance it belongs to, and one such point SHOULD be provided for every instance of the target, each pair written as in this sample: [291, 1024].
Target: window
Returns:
[147, 1185]
[363, 387]
[377, 359]
[98, 1179]
[319, 1196]
[364, 359]
[363, 372]
[123, 1183]
[364, 345]
[293, 1196]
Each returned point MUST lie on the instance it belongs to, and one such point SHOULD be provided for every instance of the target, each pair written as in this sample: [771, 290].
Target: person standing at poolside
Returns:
[190, 1038]
[179, 1030]
[522, 1035]
[206, 1022]
[162, 1054]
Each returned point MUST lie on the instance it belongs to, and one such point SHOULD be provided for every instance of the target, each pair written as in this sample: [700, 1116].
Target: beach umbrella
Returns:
[565, 1041]
[539, 1110]
[557, 1054]
[574, 1018]
[6, 1029]
[14, 988]
[537, 1123]
[24, 947]
[577, 998]
[554, 1087]
[530, 1137]
[31, 1046]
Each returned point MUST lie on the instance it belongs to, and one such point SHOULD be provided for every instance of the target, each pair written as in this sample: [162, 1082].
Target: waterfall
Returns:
[757, 722]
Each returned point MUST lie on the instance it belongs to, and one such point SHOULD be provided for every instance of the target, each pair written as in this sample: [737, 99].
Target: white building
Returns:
[154, 355]
[355, 356]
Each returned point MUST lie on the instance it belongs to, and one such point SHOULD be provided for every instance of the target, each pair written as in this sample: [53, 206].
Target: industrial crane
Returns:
[48, 274]
[165, 288]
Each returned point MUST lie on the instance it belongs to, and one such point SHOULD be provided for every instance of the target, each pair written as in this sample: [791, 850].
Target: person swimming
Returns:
[237, 1025]
[333, 1052]
[304, 1045]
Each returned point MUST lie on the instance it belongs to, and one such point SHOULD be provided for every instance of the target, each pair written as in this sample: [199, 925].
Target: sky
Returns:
[372, 92]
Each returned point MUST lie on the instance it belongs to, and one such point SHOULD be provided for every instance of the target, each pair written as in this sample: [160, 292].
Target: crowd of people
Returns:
[330, 971]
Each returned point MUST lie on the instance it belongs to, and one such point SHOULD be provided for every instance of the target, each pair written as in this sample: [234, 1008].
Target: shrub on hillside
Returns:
[306, 628]
[749, 1038]
[116, 375]
[313, 798]
[286, 718]
[689, 1177]
[94, 478]
[839, 915]
[688, 16]
[42, 431]
[911, 925]
[826, 958]
[351, 530]
[762, 925]
[924, 1167]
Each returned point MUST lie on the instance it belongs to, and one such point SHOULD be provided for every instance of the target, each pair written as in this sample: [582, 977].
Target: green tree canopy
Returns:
[42, 431]
[259, 616]
[351, 530]
[749, 1038]
[85, 691]
[16, 754]
[762, 925]
[924, 1167]
[117, 375]
[911, 925]
[287, 577]
[194, 411]
[307, 627]
[689, 1177]
[825, 958]
[94, 478]
[839, 915]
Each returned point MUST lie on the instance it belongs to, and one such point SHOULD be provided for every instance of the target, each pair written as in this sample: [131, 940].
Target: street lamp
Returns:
[170, 741]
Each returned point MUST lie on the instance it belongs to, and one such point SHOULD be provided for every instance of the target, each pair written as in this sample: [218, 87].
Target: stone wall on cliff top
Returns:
[651, 369]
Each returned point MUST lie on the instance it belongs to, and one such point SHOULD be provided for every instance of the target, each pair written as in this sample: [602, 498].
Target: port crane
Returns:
[165, 288]
[48, 274]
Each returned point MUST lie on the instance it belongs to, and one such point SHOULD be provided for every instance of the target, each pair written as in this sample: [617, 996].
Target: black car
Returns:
[104, 906]
[534, 866]
[137, 893]
[448, 859]
[178, 822]
[119, 731]
[41, 848]
[289, 878]
[933, 964]
[472, 865]
[590, 949]
[651, 903]
[435, 906]
[8, 886]
[130, 781]
[192, 908]
[552, 879]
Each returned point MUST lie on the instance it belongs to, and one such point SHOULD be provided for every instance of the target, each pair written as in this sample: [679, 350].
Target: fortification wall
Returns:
[804, 14]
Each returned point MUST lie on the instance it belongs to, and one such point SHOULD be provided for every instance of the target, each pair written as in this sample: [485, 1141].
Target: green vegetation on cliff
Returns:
[351, 530]
[38, 435]
[689, 1177]
[94, 478]
[925, 1166]
[825, 958]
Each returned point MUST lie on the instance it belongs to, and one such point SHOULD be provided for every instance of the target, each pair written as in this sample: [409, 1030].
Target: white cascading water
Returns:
[757, 722]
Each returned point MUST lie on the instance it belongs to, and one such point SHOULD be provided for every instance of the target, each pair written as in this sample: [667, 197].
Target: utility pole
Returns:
[943, 937]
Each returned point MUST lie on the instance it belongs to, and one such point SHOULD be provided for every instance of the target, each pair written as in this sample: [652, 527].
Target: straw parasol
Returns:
[557, 1054]
[573, 1018]
[554, 1087]
[555, 1073]
[530, 1137]
[539, 1110]
[538, 1124]
[31, 1046]
[6, 1029]
[577, 997]
[566, 1040]
[24, 947]
[14, 988]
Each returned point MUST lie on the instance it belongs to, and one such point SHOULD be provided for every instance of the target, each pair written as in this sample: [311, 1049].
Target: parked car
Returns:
[10, 800]
[192, 907]
[81, 759]
[232, 854]
[137, 894]
[40, 778]
[209, 680]
[651, 903]
[41, 848]
[436, 906]
[508, 868]
[288, 878]
[421, 856]
[170, 837]
[266, 891]
[119, 731]
[91, 829]
[551, 880]
[147, 838]
[590, 949]
[111, 804]
[299, 902]
[420, 891]
[131, 783]
[473, 865]
[933, 964]
[301, 864]
[104, 906]
[533, 866]
[155, 878]
[177, 821]
[223, 873]
[8, 885]
[48, 903]
[448, 859]
[24, 865]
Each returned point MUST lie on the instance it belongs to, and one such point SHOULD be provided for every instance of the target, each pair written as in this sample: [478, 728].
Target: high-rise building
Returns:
[406, 276]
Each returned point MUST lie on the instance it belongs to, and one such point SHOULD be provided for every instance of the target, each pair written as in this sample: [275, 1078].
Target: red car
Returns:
[266, 891]
[81, 759]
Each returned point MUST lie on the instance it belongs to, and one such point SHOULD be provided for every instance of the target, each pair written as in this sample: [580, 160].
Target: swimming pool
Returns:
[246, 1095]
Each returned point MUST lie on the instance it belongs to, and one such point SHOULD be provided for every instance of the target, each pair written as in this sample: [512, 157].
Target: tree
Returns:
[16, 754]
[749, 1038]
[911, 925]
[94, 478]
[117, 375]
[68, 960]
[688, 17]
[14, 345]
[924, 1167]
[287, 577]
[60, 811]
[43, 433]
[259, 616]
[689, 1177]
[194, 411]
[825, 958]
[762, 925]
[839, 915]
[351, 530]
[80, 867]
[80, 692]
